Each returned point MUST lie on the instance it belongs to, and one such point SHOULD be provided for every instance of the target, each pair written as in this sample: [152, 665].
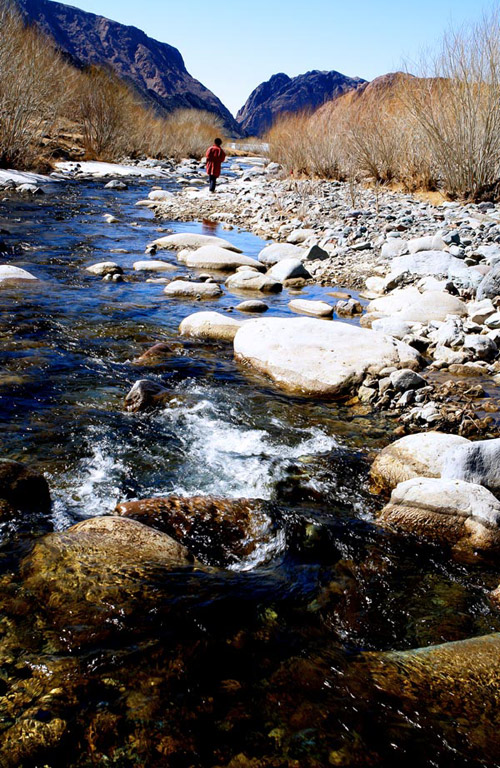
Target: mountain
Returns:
[156, 70]
[282, 94]
[385, 90]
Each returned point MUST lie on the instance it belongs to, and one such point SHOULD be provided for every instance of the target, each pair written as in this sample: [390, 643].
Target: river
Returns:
[257, 664]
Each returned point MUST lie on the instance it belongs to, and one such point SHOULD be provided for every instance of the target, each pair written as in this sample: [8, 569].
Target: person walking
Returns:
[215, 157]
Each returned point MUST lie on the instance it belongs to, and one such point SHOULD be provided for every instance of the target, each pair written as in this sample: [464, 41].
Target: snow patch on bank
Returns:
[23, 177]
[99, 170]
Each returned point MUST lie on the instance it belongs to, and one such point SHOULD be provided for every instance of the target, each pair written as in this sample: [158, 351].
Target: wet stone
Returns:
[92, 578]
[219, 531]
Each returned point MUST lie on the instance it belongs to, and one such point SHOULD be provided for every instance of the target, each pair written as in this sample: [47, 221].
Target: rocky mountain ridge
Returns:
[282, 94]
[155, 69]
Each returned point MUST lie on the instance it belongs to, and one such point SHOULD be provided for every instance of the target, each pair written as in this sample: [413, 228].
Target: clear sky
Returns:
[232, 47]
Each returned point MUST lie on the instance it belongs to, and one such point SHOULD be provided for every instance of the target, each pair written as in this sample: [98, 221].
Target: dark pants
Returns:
[212, 181]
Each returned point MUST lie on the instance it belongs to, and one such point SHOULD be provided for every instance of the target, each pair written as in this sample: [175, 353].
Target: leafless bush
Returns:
[105, 108]
[31, 76]
[458, 108]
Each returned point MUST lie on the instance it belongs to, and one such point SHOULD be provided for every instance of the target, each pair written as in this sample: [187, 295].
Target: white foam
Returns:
[225, 459]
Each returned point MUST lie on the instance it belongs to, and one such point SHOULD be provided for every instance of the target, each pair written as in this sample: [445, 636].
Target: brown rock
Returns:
[220, 530]
[157, 354]
[95, 577]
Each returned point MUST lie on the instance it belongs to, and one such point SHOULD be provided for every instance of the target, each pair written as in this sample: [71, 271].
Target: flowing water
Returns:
[258, 664]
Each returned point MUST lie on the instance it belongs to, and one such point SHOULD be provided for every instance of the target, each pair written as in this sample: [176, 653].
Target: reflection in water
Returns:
[263, 664]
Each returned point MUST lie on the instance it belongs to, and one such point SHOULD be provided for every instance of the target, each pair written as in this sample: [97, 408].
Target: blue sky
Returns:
[232, 47]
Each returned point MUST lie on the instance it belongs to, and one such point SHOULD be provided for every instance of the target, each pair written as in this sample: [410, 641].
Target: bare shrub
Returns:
[458, 108]
[105, 108]
[31, 77]
[188, 132]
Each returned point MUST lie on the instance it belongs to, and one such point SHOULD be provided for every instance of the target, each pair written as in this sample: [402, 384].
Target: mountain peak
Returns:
[282, 94]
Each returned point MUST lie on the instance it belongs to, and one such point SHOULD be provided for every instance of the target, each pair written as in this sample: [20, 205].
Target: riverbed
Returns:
[257, 664]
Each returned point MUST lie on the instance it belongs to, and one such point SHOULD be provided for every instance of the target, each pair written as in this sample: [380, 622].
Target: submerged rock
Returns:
[145, 395]
[419, 455]
[457, 685]
[219, 530]
[94, 577]
[463, 515]
[192, 240]
[313, 357]
[158, 353]
[22, 489]
[212, 326]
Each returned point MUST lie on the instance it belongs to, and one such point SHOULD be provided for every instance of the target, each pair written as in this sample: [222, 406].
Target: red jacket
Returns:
[215, 157]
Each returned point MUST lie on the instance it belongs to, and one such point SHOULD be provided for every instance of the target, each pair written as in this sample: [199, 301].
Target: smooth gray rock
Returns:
[489, 287]
[418, 455]
[407, 379]
[288, 269]
[9, 273]
[213, 326]
[477, 462]
[462, 514]
[219, 259]
[192, 240]
[252, 305]
[249, 280]
[315, 357]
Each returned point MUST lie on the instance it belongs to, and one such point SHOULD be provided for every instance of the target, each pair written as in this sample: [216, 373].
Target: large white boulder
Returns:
[212, 326]
[475, 462]
[271, 254]
[313, 357]
[215, 257]
[8, 273]
[411, 305]
[185, 289]
[463, 515]
[192, 240]
[419, 455]
[250, 280]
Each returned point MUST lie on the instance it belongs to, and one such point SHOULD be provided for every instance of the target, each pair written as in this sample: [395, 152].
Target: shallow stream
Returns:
[255, 665]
